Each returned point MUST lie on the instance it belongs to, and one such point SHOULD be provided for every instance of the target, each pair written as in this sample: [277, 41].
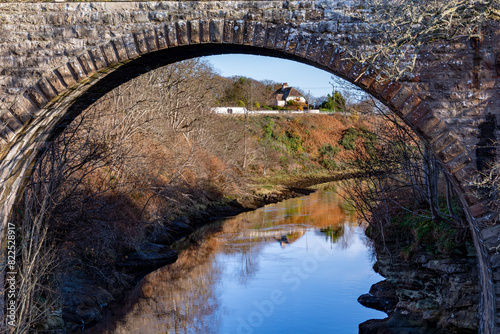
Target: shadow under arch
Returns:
[52, 114]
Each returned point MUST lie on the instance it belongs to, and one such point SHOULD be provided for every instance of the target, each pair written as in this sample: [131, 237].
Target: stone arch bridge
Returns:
[57, 58]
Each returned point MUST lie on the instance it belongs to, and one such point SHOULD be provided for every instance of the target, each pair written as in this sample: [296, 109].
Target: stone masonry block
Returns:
[171, 32]
[216, 31]
[451, 151]
[427, 122]
[445, 139]
[248, 33]
[194, 32]
[409, 109]
[6, 133]
[459, 162]
[390, 91]
[67, 77]
[315, 48]
[161, 37]
[55, 82]
[239, 26]
[494, 261]
[326, 53]
[98, 58]
[109, 54]
[368, 78]
[345, 66]
[150, 39]
[401, 96]
[469, 195]
[140, 41]
[436, 131]
[337, 57]
[270, 36]
[314, 15]
[302, 45]
[131, 46]
[204, 31]
[182, 33]
[77, 70]
[260, 34]
[24, 109]
[478, 209]
[292, 41]
[8, 119]
[281, 37]
[490, 232]
[121, 51]
[492, 244]
[37, 96]
[466, 174]
[228, 32]
[47, 89]
[379, 84]
[356, 71]
[86, 63]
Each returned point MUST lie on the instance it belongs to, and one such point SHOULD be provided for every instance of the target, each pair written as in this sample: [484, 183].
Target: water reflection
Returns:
[296, 267]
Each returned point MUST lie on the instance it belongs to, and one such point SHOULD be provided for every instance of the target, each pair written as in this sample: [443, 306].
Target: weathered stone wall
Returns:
[40, 37]
[56, 58]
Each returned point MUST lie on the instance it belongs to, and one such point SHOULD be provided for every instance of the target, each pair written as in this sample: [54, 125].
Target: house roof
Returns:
[284, 93]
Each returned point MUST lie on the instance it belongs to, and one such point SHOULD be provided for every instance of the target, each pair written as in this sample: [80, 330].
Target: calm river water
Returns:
[293, 267]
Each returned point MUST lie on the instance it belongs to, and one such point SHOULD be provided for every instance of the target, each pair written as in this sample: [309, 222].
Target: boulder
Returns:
[382, 297]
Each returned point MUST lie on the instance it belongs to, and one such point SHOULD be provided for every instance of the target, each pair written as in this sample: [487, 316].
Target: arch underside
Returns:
[43, 111]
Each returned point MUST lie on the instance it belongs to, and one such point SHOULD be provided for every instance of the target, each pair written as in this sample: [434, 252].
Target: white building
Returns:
[229, 110]
[287, 93]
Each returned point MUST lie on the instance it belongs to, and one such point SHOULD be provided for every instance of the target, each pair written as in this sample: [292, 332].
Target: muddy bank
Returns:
[86, 293]
[425, 292]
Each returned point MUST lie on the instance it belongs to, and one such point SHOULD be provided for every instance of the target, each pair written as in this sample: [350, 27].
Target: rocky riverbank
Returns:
[424, 292]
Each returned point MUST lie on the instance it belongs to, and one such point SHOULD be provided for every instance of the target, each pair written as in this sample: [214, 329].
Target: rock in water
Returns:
[382, 297]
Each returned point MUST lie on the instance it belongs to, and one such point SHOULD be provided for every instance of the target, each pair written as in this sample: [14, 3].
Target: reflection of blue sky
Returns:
[321, 284]
[305, 77]
[217, 281]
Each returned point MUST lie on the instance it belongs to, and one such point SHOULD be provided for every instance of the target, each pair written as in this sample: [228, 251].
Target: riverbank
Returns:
[425, 291]
[87, 293]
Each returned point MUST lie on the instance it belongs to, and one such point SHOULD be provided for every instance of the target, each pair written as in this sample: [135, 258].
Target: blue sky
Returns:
[296, 74]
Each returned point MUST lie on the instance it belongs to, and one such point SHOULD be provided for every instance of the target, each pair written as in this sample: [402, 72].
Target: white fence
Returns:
[243, 110]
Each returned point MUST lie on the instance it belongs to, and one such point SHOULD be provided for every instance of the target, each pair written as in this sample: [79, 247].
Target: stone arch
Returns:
[44, 108]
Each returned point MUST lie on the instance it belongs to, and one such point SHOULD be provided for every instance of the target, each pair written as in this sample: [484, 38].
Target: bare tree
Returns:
[404, 28]
[403, 178]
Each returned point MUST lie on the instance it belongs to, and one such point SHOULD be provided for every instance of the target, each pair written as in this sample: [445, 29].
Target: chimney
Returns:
[285, 85]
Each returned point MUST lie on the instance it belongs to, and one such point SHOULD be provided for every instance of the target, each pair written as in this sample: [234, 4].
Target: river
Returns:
[296, 267]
